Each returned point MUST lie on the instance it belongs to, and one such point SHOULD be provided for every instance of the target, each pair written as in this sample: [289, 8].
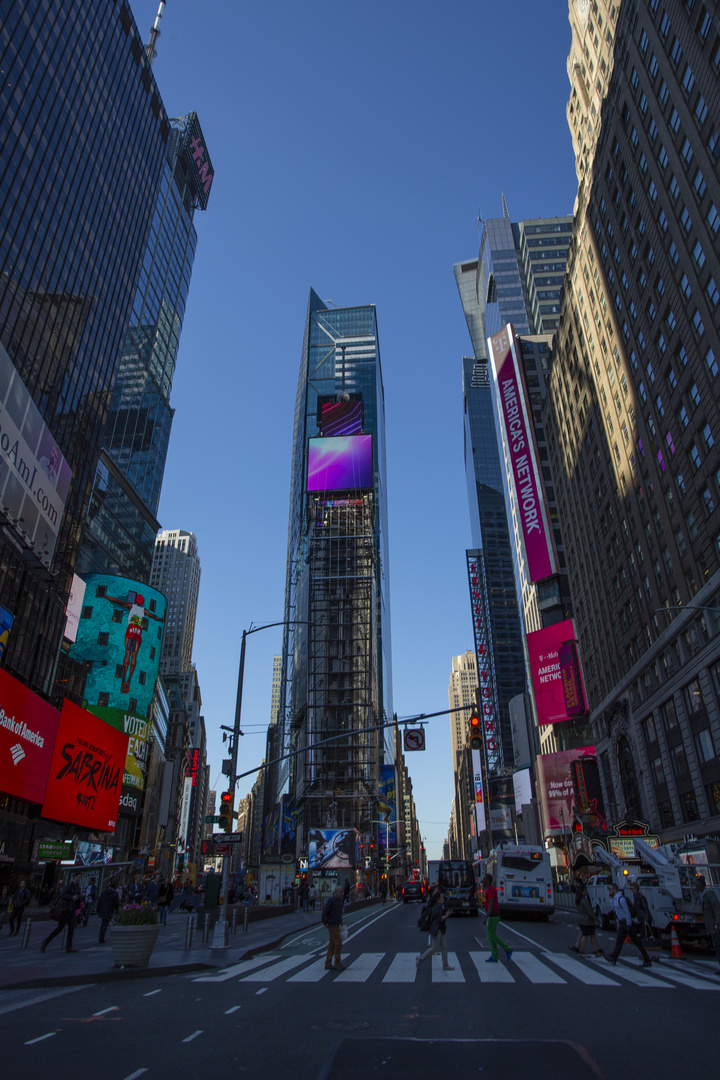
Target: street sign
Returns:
[212, 819]
[58, 851]
[228, 838]
[222, 849]
[414, 739]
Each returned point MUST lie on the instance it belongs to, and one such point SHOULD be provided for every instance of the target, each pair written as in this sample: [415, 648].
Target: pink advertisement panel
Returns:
[539, 551]
[555, 777]
[572, 681]
[543, 649]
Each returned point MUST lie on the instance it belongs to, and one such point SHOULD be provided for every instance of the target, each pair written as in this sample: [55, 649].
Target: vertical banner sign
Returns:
[520, 443]
[479, 798]
[572, 680]
[546, 671]
[485, 661]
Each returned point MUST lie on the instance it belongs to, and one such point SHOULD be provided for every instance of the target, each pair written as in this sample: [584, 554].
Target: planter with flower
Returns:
[133, 934]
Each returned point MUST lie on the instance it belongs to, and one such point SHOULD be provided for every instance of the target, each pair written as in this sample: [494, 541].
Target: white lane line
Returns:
[40, 1038]
[151, 992]
[536, 971]
[268, 974]
[523, 936]
[138, 1072]
[238, 969]
[232, 1009]
[440, 975]
[110, 1008]
[490, 973]
[261, 991]
[640, 978]
[314, 972]
[586, 972]
[403, 968]
[361, 970]
[193, 1036]
[39, 998]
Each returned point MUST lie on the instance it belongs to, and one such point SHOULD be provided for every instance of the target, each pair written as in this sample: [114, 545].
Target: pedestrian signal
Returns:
[225, 820]
[475, 732]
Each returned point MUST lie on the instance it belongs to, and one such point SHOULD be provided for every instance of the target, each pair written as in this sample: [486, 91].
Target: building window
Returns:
[711, 363]
[704, 746]
[669, 714]
[712, 792]
[708, 437]
[657, 771]
[103, 638]
[678, 760]
[667, 817]
[699, 255]
[689, 806]
[692, 695]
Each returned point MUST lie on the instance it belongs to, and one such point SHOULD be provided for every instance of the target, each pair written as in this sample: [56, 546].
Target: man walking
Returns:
[332, 918]
[20, 900]
[107, 906]
[438, 918]
[492, 912]
[711, 913]
[70, 901]
[625, 927]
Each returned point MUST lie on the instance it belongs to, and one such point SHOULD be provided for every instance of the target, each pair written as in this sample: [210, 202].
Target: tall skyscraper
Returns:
[336, 651]
[461, 700]
[73, 228]
[176, 573]
[632, 413]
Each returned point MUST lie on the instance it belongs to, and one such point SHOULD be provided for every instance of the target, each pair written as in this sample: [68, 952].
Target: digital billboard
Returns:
[341, 463]
[387, 808]
[520, 444]
[543, 650]
[333, 849]
[86, 771]
[34, 475]
[341, 417]
[556, 786]
[28, 727]
[138, 730]
[572, 679]
[74, 608]
[120, 630]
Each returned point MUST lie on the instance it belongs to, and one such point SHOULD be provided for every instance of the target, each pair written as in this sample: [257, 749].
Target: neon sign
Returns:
[485, 661]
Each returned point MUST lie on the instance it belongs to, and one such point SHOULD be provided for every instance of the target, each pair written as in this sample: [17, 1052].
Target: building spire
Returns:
[506, 212]
[150, 50]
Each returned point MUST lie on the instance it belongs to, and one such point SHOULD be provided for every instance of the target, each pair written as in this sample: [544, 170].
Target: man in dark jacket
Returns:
[69, 903]
[332, 918]
[20, 901]
[438, 918]
[107, 906]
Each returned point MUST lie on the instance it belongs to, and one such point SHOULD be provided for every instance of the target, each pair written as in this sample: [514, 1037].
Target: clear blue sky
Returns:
[353, 146]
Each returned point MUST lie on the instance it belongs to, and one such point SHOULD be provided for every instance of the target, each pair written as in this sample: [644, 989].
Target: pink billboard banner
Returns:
[539, 550]
[555, 777]
[572, 680]
[543, 649]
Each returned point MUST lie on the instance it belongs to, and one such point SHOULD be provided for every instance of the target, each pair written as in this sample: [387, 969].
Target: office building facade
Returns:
[176, 573]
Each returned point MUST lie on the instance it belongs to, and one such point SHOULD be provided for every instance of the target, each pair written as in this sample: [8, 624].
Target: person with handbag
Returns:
[69, 902]
[332, 918]
[438, 918]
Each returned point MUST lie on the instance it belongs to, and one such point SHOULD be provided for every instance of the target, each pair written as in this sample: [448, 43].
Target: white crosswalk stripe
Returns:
[274, 972]
[640, 977]
[534, 969]
[361, 969]
[440, 975]
[402, 969]
[581, 969]
[490, 973]
[315, 972]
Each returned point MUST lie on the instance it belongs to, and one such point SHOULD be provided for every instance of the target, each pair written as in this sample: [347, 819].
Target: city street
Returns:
[543, 1014]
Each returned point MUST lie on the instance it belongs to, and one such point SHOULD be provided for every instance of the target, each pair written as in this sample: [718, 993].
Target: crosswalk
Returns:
[540, 969]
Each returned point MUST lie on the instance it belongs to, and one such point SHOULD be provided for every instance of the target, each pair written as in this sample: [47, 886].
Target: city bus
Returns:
[523, 879]
[456, 878]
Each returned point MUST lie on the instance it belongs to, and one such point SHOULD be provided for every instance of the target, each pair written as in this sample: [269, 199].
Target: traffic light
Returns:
[225, 820]
[475, 733]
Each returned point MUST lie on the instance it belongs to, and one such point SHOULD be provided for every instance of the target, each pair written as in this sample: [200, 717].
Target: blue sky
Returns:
[353, 147]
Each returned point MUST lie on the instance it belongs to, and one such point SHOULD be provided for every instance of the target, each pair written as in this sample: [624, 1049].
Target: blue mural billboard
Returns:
[387, 807]
[334, 849]
[120, 631]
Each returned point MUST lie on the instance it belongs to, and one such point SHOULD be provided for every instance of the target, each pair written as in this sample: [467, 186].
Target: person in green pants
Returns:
[492, 911]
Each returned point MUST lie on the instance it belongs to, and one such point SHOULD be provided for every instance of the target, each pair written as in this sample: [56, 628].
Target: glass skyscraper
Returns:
[336, 666]
[84, 137]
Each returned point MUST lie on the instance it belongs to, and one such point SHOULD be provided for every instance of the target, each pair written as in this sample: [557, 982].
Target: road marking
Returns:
[138, 1072]
[110, 1008]
[314, 973]
[238, 969]
[688, 980]
[490, 973]
[151, 992]
[439, 975]
[232, 1009]
[40, 1038]
[403, 968]
[39, 998]
[587, 973]
[536, 971]
[640, 978]
[193, 1036]
[276, 970]
[361, 970]
[261, 991]
[524, 936]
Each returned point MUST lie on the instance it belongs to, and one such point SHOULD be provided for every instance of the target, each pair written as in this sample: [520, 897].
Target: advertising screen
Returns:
[342, 463]
[6, 621]
[138, 731]
[556, 784]
[121, 631]
[341, 418]
[74, 608]
[543, 650]
[86, 772]
[28, 726]
[522, 787]
[387, 808]
[520, 441]
[34, 476]
[572, 680]
[333, 849]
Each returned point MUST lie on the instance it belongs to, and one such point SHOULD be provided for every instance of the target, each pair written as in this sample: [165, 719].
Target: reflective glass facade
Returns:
[83, 135]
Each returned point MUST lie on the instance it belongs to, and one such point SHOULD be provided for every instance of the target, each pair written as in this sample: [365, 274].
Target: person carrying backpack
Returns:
[332, 918]
[432, 919]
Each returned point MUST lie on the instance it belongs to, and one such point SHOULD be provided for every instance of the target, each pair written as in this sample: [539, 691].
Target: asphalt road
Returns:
[544, 1014]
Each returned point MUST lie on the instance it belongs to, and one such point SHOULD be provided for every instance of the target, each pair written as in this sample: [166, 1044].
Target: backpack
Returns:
[425, 920]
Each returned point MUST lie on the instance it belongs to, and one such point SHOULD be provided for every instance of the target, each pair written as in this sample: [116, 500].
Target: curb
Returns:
[112, 975]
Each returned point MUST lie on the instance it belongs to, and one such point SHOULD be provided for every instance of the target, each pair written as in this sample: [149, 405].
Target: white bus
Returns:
[523, 879]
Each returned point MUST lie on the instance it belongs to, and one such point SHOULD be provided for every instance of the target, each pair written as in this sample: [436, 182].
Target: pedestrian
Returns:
[625, 927]
[438, 940]
[70, 901]
[332, 918]
[4, 904]
[492, 913]
[346, 891]
[383, 892]
[20, 900]
[108, 904]
[152, 892]
[640, 911]
[711, 913]
[166, 896]
[304, 893]
[312, 897]
[586, 917]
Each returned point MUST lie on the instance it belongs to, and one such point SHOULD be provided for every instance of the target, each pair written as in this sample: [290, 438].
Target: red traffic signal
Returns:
[475, 732]
[225, 819]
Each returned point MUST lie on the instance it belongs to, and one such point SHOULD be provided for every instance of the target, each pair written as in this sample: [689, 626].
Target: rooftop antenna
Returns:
[506, 213]
[150, 50]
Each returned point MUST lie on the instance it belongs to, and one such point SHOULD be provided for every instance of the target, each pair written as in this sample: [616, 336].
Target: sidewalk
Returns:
[30, 969]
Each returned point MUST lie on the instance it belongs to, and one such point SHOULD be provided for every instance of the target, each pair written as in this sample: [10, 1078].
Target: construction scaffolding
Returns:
[336, 784]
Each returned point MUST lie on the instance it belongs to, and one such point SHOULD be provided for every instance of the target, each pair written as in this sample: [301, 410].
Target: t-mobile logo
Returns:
[17, 753]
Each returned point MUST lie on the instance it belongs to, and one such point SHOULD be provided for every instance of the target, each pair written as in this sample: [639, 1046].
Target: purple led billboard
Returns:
[341, 418]
[340, 463]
